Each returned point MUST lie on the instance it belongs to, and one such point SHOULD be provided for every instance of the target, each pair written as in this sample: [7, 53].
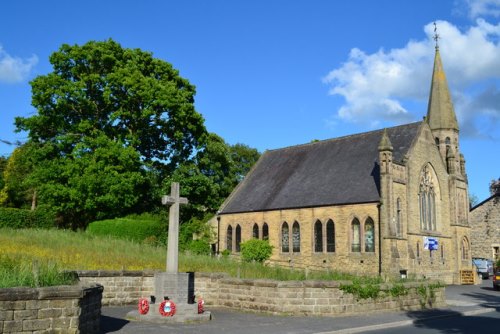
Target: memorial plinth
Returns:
[172, 285]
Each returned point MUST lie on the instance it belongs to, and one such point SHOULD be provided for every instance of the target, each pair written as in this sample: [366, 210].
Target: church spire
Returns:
[440, 112]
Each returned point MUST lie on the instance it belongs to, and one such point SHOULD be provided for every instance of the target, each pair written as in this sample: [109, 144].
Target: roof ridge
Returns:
[342, 137]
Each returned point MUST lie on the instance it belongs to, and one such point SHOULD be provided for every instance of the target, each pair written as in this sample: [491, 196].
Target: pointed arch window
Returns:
[296, 237]
[465, 249]
[265, 232]
[229, 238]
[318, 237]
[418, 249]
[330, 236]
[399, 230]
[369, 235]
[238, 238]
[285, 238]
[427, 200]
[255, 231]
[355, 235]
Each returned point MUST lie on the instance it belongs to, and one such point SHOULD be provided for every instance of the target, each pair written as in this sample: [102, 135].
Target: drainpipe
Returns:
[379, 239]
[218, 234]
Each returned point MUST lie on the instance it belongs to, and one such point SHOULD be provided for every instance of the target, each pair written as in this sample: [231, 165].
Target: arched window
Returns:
[447, 141]
[369, 235]
[265, 232]
[285, 238]
[355, 235]
[318, 237]
[465, 249]
[255, 231]
[229, 238]
[296, 237]
[399, 230]
[418, 249]
[442, 252]
[437, 141]
[330, 236]
[238, 238]
[427, 200]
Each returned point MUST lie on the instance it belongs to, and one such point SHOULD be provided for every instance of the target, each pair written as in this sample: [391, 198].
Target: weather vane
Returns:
[436, 36]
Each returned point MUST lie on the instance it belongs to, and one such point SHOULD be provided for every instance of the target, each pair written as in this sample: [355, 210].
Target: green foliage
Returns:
[146, 228]
[243, 157]
[199, 247]
[21, 272]
[398, 290]
[256, 250]
[111, 122]
[3, 165]
[23, 218]
[362, 291]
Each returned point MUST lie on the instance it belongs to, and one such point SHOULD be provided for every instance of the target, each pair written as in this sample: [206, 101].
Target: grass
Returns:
[67, 250]
[19, 272]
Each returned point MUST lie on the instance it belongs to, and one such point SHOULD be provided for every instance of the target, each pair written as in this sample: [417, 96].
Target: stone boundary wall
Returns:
[59, 309]
[278, 297]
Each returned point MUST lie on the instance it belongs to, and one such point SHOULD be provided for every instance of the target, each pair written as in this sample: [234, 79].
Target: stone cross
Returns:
[173, 226]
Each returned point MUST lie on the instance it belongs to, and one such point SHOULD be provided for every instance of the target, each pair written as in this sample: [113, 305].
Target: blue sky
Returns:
[275, 73]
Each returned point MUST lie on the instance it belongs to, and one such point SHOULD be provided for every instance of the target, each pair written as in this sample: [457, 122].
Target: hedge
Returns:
[146, 228]
[23, 218]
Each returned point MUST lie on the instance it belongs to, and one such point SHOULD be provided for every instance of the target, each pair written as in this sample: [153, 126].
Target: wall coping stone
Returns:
[52, 292]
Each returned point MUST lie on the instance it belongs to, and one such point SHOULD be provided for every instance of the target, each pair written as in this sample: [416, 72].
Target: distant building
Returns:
[484, 220]
[392, 201]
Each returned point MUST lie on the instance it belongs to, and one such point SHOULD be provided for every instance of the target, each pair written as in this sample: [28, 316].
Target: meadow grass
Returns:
[81, 251]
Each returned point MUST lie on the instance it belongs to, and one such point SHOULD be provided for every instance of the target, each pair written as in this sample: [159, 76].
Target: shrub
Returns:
[199, 247]
[139, 228]
[256, 250]
[23, 218]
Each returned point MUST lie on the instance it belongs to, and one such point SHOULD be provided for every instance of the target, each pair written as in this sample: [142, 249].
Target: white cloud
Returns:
[481, 8]
[379, 86]
[14, 69]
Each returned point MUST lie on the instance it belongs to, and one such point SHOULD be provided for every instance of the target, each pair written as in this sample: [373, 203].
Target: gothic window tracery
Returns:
[427, 200]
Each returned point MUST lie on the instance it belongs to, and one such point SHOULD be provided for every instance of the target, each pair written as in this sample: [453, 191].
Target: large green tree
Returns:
[110, 123]
[126, 94]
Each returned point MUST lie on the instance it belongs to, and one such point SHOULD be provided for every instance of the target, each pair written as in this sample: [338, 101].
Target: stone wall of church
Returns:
[485, 229]
[446, 261]
[342, 259]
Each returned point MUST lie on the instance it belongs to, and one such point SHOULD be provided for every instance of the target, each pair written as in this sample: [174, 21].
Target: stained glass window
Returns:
[238, 238]
[229, 238]
[296, 237]
[285, 238]
[369, 235]
[265, 232]
[318, 237]
[330, 236]
[255, 231]
[356, 236]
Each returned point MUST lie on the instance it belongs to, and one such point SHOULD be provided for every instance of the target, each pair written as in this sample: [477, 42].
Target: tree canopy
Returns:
[114, 127]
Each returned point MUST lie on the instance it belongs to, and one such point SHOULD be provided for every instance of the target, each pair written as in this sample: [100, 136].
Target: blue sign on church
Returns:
[431, 243]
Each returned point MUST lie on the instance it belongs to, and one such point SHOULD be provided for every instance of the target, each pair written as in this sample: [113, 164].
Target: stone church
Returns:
[392, 202]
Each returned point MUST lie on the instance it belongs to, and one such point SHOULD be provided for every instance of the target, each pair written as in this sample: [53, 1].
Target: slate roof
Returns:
[337, 171]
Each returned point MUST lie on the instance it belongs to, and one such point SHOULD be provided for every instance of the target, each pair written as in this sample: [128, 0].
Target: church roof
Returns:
[440, 112]
[338, 171]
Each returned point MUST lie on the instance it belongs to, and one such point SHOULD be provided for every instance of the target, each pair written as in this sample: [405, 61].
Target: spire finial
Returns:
[436, 36]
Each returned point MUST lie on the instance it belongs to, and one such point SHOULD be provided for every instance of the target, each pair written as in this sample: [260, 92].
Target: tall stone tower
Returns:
[444, 126]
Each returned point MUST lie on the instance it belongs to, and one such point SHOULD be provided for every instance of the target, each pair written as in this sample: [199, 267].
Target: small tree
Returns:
[256, 250]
